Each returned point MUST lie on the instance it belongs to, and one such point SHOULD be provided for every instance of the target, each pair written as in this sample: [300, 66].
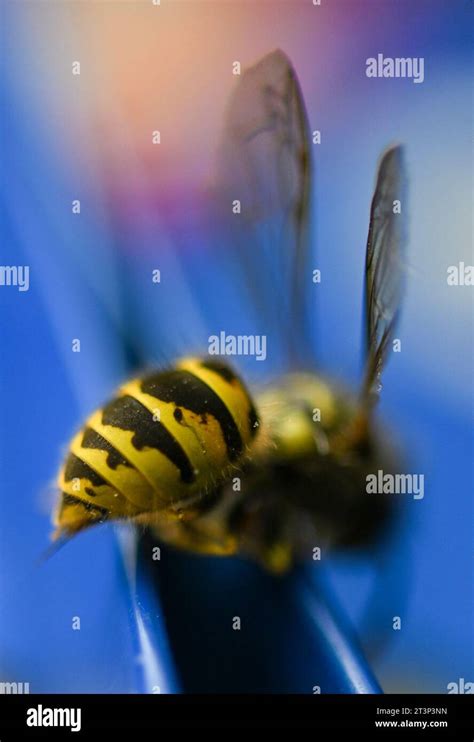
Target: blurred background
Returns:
[88, 137]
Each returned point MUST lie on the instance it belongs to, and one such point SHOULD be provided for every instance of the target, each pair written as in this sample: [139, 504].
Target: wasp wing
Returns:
[263, 189]
[383, 272]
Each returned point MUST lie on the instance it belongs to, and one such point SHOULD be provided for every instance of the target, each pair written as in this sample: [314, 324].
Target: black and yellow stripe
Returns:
[159, 445]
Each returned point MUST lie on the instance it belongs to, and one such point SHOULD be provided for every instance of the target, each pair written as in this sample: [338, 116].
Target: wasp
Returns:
[188, 451]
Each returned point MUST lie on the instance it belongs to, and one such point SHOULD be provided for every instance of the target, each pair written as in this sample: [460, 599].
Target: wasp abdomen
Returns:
[163, 441]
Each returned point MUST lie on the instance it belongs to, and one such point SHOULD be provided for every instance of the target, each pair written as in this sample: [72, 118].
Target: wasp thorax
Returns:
[301, 414]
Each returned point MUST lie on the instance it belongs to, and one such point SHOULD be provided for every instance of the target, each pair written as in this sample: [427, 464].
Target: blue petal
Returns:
[292, 639]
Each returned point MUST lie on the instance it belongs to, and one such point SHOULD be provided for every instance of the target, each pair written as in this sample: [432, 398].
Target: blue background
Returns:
[86, 281]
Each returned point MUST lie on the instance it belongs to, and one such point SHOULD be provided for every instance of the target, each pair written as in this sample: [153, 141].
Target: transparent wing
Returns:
[265, 164]
[383, 273]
